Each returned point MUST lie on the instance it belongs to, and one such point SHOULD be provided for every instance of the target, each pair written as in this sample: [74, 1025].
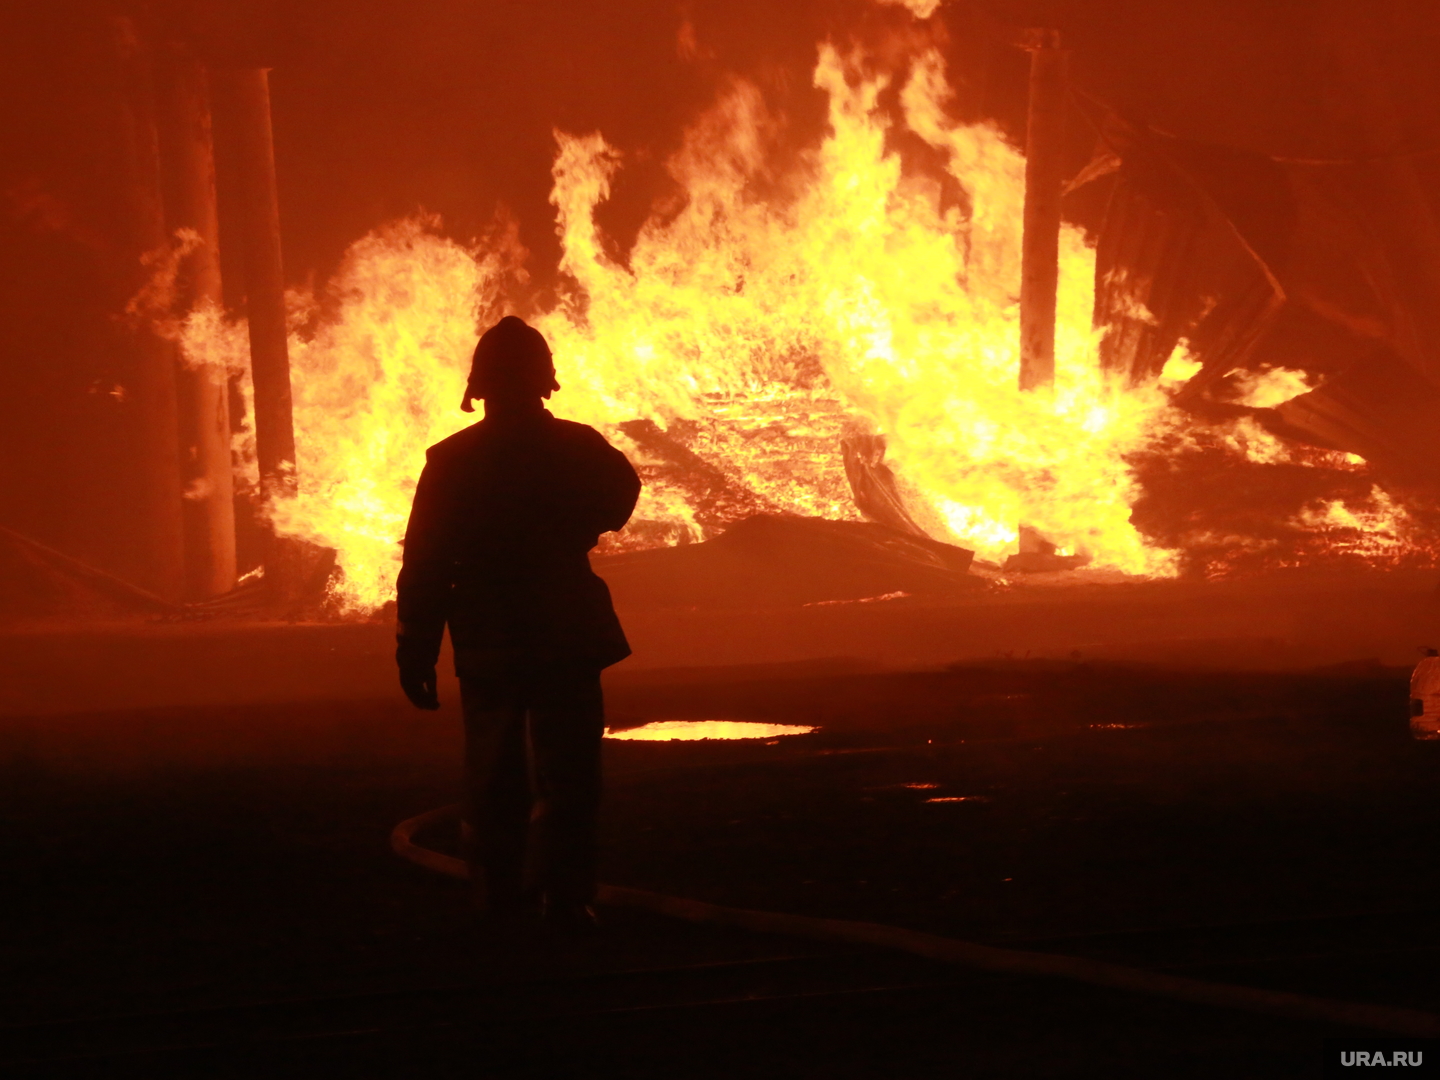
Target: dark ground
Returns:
[226, 920]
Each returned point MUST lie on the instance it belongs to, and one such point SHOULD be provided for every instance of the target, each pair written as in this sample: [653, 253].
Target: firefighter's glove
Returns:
[416, 655]
[419, 686]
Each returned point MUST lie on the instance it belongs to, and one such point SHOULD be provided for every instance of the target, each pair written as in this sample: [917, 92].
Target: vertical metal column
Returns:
[152, 390]
[1040, 242]
[248, 106]
[1040, 246]
[188, 154]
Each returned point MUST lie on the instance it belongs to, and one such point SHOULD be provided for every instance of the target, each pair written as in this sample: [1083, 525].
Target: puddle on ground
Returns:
[960, 798]
[672, 730]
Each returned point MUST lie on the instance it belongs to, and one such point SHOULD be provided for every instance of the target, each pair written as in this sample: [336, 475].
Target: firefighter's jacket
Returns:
[504, 517]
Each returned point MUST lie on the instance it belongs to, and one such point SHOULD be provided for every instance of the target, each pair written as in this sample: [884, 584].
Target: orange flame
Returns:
[864, 289]
[765, 327]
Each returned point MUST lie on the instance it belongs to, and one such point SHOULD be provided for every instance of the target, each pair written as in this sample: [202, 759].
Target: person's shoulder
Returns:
[576, 433]
[574, 429]
[454, 446]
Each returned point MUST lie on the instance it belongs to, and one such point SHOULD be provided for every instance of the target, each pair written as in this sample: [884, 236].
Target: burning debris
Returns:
[787, 560]
[745, 340]
[842, 341]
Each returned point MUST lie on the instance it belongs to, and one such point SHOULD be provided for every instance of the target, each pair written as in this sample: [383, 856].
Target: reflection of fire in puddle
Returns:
[668, 730]
[862, 600]
[959, 798]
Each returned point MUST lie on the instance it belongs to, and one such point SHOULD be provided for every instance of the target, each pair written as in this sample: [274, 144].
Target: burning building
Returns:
[1034, 403]
[830, 318]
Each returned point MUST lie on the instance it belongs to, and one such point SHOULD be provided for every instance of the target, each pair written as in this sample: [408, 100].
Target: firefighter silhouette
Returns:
[497, 548]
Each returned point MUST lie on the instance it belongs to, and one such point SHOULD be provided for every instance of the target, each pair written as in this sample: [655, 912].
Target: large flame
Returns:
[868, 291]
[861, 301]
[867, 298]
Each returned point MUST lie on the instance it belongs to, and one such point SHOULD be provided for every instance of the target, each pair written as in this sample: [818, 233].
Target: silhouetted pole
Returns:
[1040, 246]
[208, 505]
[152, 392]
[1040, 242]
[248, 94]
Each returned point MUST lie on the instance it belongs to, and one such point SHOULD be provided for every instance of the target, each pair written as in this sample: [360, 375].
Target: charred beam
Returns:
[1040, 246]
[247, 107]
[1040, 242]
[188, 154]
[153, 390]
[718, 499]
[873, 484]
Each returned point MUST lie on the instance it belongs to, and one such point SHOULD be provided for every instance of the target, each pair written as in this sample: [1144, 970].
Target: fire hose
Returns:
[1412, 1022]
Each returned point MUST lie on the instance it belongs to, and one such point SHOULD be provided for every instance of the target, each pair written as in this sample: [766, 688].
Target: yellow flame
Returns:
[865, 287]
[208, 338]
[1378, 529]
[761, 327]
[1272, 386]
[376, 385]
[1180, 367]
[1248, 439]
[921, 9]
